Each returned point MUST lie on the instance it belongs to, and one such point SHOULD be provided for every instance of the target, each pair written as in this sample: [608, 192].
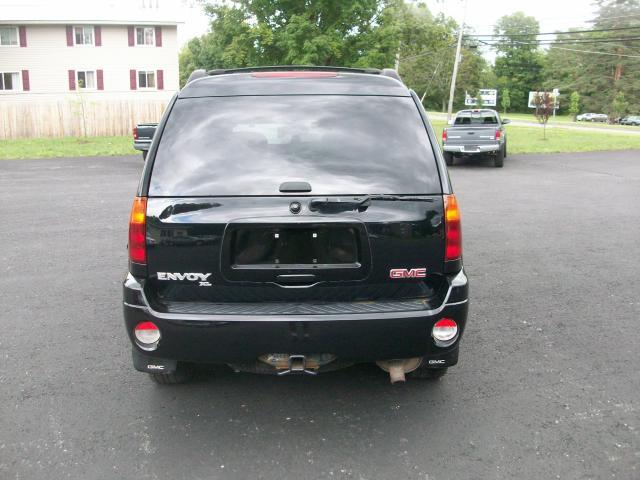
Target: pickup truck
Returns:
[142, 137]
[476, 133]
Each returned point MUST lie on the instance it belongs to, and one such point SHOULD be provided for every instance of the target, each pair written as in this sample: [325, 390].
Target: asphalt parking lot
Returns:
[548, 384]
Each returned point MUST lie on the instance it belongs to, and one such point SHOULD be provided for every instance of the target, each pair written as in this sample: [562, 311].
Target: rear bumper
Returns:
[242, 338]
[141, 145]
[494, 147]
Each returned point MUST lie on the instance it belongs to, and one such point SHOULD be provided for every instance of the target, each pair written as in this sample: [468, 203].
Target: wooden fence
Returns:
[76, 118]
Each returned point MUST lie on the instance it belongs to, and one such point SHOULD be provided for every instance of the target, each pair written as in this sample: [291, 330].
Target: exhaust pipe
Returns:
[397, 368]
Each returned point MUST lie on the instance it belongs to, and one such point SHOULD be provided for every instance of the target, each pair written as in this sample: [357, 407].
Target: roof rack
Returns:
[387, 72]
[286, 68]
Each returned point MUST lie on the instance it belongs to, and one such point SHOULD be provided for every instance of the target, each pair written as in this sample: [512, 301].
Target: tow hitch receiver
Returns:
[298, 364]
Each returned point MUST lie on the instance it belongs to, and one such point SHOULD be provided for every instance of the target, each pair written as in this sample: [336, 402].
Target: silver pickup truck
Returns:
[143, 136]
[475, 132]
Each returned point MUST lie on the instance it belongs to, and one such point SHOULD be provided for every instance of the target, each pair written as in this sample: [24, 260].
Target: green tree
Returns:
[574, 105]
[479, 101]
[518, 63]
[600, 70]
[619, 106]
[352, 33]
[286, 32]
[505, 100]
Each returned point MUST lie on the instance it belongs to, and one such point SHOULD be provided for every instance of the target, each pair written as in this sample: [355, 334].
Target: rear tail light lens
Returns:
[147, 334]
[445, 330]
[453, 229]
[135, 133]
[498, 134]
[137, 231]
[444, 135]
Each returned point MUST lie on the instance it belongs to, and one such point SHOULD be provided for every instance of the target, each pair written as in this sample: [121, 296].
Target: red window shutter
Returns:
[158, 36]
[100, 79]
[22, 33]
[132, 32]
[72, 79]
[132, 79]
[97, 31]
[69, 36]
[25, 81]
[160, 79]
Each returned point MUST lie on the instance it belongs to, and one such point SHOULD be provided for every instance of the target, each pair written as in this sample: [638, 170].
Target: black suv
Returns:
[295, 220]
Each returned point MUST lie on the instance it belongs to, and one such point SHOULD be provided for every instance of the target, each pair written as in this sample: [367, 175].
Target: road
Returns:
[548, 384]
[561, 125]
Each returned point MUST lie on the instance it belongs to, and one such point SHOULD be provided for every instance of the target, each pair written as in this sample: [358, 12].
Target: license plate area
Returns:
[295, 247]
[302, 252]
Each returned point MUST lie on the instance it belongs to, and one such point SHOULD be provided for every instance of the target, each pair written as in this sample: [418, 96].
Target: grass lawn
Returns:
[66, 147]
[521, 140]
[530, 140]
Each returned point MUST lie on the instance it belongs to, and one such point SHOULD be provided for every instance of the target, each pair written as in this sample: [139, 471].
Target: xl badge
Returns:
[191, 277]
[408, 273]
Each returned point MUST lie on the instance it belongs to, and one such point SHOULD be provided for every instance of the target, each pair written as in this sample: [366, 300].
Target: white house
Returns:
[94, 68]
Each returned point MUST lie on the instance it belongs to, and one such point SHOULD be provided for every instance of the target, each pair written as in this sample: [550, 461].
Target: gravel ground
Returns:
[547, 386]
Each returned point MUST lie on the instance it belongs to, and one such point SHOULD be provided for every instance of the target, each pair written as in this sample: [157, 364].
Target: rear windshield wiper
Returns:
[357, 203]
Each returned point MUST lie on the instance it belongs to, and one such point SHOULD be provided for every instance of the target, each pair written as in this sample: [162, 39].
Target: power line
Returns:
[570, 42]
[556, 33]
[574, 50]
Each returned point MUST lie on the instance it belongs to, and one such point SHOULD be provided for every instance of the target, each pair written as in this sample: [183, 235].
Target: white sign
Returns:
[554, 95]
[489, 98]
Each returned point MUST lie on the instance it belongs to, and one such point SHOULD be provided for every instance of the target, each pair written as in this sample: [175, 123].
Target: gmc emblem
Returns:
[408, 273]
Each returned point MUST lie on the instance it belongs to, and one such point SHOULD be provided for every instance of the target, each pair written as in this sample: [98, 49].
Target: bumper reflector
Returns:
[445, 330]
[147, 335]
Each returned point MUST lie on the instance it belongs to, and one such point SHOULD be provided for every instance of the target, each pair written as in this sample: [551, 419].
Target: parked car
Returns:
[630, 120]
[331, 234]
[142, 137]
[476, 133]
[593, 117]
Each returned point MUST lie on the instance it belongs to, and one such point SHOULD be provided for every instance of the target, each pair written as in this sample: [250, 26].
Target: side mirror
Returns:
[450, 122]
[505, 121]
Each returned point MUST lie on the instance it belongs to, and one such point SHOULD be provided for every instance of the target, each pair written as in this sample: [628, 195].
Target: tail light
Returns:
[444, 135]
[137, 231]
[498, 134]
[135, 133]
[453, 229]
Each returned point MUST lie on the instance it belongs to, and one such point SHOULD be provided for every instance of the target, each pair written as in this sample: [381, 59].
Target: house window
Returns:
[86, 79]
[83, 35]
[145, 36]
[9, 36]
[146, 79]
[9, 81]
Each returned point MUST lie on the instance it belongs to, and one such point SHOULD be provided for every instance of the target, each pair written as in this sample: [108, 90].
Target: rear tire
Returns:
[498, 161]
[181, 375]
[448, 158]
[425, 373]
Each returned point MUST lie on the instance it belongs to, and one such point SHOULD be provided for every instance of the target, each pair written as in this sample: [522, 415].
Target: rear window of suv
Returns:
[250, 145]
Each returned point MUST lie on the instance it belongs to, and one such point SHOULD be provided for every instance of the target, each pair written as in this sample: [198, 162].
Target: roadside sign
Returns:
[489, 98]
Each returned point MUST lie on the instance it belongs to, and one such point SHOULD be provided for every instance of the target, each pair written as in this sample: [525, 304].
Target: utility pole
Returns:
[455, 64]
[397, 65]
